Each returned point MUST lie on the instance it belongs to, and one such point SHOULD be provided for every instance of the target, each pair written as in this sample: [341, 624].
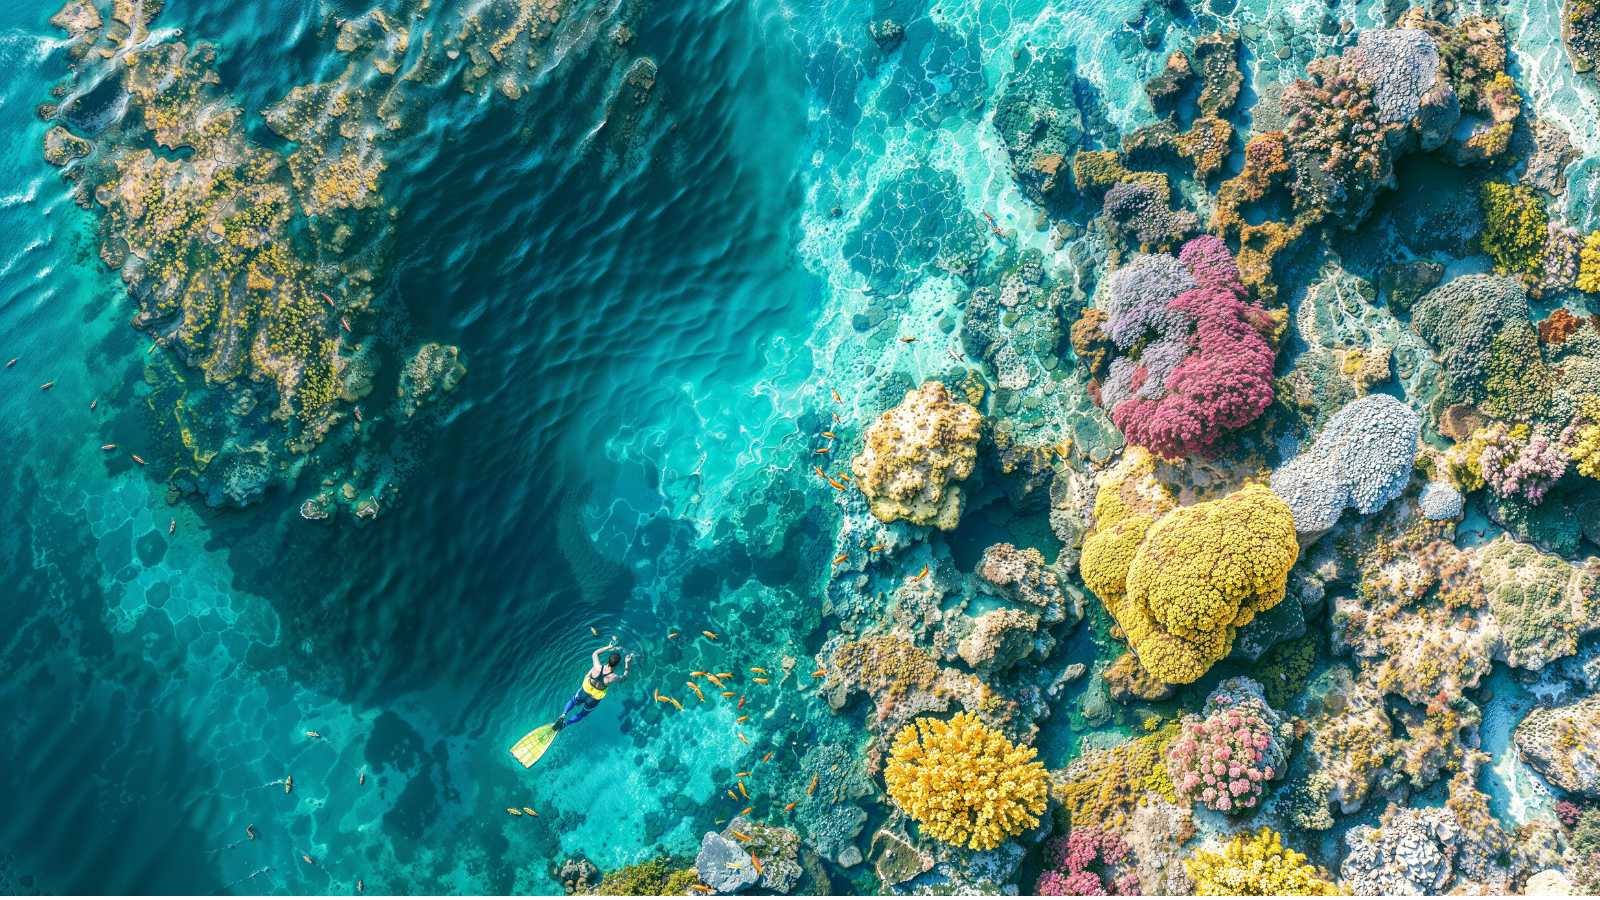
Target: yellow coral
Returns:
[964, 782]
[1180, 582]
[1257, 866]
[1589, 264]
[913, 455]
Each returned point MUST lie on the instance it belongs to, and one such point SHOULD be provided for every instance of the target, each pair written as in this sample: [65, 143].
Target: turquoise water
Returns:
[656, 294]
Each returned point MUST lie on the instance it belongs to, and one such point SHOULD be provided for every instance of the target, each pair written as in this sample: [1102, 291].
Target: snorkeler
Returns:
[595, 682]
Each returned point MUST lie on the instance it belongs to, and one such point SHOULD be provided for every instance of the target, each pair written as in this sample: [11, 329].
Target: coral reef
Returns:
[1361, 460]
[1039, 123]
[1479, 326]
[1226, 757]
[965, 783]
[914, 454]
[1257, 866]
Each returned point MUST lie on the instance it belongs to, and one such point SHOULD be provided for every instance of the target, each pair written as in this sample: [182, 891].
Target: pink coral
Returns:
[1225, 381]
[1072, 861]
[1518, 470]
[1232, 750]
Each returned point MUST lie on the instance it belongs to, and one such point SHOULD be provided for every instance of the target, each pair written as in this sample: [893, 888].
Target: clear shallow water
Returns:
[655, 303]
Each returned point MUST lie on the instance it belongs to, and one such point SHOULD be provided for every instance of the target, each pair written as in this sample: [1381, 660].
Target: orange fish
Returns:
[696, 688]
[741, 702]
[108, 446]
[747, 810]
[843, 477]
[789, 807]
[714, 680]
[723, 674]
[835, 485]
[828, 434]
[921, 575]
[841, 559]
[741, 836]
[819, 673]
[743, 739]
[759, 680]
[835, 394]
[758, 670]
[327, 298]
[768, 757]
[823, 450]
[695, 674]
[875, 548]
[137, 459]
[756, 861]
[663, 698]
[812, 788]
[741, 774]
[727, 693]
[820, 473]
[908, 340]
[344, 323]
[710, 635]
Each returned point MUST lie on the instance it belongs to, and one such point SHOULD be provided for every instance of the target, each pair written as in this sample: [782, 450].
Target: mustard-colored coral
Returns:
[1589, 264]
[913, 455]
[1180, 582]
[1514, 230]
[965, 783]
[1257, 866]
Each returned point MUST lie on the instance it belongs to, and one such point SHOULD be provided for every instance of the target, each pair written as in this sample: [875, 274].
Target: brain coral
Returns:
[964, 782]
[914, 452]
[1195, 362]
[1479, 327]
[1362, 459]
[1180, 582]
[1256, 866]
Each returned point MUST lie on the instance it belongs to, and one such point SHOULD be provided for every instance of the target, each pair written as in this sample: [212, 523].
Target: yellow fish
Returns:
[732, 795]
[724, 674]
[727, 693]
[759, 680]
[921, 575]
[696, 688]
[513, 811]
[840, 559]
[711, 635]
[529, 811]
[758, 670]
[714, 679]
[742, 792]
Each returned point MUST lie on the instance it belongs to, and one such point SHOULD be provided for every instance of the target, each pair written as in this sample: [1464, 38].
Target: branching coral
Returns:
[1196, 363]
[1102, 788]
[1087, 863]
[1139, 212]
[1362, 459]
[1257, 866]
[914, 454]
[1517, 465]
[1225, 758]
[965, 783]
[1181, 581]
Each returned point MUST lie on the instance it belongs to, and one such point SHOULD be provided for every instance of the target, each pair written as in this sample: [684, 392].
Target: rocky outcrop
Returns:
[1563, 744]
[1410, 855]
[433, 371]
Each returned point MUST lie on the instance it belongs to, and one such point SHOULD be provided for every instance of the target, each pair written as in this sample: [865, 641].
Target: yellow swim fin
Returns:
[533, 744]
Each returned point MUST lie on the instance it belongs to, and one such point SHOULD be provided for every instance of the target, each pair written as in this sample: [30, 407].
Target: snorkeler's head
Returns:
[614, 660]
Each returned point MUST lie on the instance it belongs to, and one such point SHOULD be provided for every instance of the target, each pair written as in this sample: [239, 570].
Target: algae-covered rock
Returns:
[1563, 744]
[723, 865]
[433, 371]
[1039, 123]
[914, 455]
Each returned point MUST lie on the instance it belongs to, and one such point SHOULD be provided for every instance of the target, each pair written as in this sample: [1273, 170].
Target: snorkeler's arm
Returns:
[595, 657]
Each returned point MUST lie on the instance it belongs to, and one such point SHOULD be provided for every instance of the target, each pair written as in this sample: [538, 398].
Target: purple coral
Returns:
[1568, 813]
[1140, 210]
[1225, 759]
[1087, 863]
[1524, 471]
[1225, 380]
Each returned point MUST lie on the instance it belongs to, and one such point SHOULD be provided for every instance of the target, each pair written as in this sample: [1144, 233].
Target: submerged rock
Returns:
[1563, 744]
[915, 454]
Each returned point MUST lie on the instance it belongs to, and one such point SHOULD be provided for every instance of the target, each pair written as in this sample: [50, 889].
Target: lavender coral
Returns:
[1362, 459]
[1225, 758]
[1139, 211]
[1196, 363]
[1088, 862]
[1518, 466]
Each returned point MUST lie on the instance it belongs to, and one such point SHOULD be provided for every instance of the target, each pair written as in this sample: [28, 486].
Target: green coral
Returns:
[1257, 866]
[1515, 228]
[1285, 669]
